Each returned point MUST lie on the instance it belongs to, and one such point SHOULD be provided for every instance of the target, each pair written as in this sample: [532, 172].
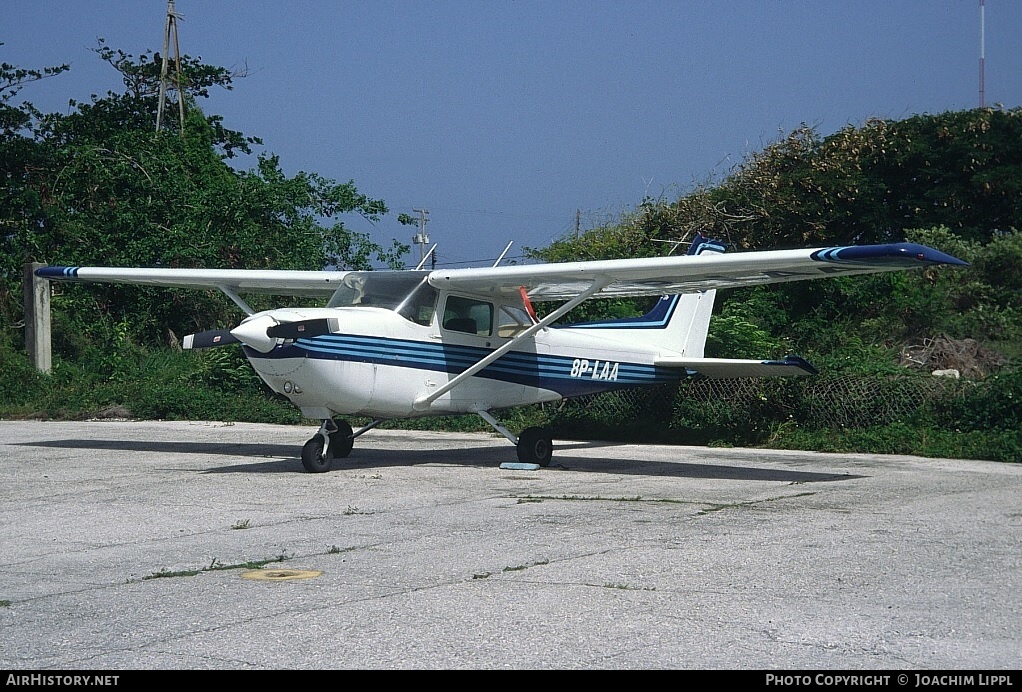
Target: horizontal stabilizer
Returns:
[722, 368]
[208, 339]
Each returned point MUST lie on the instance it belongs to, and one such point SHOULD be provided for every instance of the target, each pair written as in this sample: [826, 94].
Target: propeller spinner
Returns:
[261, 332]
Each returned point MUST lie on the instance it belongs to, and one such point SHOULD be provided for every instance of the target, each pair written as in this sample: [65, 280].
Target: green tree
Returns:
[21, 157]
[100, 186]
[957, 175]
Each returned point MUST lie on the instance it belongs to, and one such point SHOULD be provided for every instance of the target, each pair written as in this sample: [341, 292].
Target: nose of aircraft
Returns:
[252, 332]
[265, 330]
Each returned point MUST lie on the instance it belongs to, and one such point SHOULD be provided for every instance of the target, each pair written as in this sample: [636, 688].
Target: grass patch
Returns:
[750, 503]
[525, 499]
[520, 568]
[217, 566]
[900, 438]
[628, 587]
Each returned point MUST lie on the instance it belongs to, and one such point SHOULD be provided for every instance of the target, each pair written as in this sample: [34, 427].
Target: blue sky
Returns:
[505, 117]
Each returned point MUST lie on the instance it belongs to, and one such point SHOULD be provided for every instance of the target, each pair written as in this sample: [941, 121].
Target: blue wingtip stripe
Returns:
[57, 272]
[895, 254]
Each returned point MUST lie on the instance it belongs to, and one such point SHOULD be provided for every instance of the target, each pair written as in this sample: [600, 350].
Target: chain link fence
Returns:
[746, 409]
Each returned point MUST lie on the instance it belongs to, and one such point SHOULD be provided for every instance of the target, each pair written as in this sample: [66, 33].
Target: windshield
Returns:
[403, 291]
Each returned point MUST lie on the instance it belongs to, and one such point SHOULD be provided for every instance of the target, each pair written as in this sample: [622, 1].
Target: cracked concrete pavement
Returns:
[125, 545]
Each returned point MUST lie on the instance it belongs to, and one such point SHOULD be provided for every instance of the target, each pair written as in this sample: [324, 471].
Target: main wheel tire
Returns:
[313, 458]
[340, 440]
[535, 446]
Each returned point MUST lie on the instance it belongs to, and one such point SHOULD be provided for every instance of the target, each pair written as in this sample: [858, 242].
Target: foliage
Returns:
[904, 438]
[994, 406]
[959, 169]
[736, 332]
[139, 382]
[99, 186]
[951, 180]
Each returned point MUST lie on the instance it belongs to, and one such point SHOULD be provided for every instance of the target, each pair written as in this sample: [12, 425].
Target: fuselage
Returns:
[378, 362]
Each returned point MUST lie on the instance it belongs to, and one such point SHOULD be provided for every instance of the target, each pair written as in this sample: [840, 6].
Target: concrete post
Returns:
[37, 318]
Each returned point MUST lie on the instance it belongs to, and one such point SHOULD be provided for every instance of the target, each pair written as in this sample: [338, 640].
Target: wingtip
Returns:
[898, 254]
[57, 272]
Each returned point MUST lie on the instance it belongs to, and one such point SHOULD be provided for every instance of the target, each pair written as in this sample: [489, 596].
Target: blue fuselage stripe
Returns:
[537, 370]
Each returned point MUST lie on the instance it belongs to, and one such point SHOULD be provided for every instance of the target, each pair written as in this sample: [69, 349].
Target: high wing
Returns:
[654, 276]
[646, 276]
[321, 284]
[233, 282]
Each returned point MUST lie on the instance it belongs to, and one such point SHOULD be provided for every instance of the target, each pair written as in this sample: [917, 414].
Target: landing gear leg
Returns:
[534, 445]
[333, 441]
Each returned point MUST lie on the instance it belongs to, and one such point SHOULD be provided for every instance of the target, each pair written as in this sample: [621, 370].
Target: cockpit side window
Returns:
[420, 306]
[468, 315]
[512, 320]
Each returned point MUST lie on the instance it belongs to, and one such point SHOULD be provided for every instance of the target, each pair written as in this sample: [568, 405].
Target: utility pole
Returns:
[172, 17]
[420, 238]
[982, 53]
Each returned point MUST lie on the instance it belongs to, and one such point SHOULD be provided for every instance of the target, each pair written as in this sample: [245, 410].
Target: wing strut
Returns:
[423, 402]
[230, 293]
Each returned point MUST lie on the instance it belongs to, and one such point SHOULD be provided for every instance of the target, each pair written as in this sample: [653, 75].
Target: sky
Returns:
[512, 120]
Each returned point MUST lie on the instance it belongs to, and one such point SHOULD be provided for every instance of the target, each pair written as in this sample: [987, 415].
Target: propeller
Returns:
[261, 332]
[208, 339]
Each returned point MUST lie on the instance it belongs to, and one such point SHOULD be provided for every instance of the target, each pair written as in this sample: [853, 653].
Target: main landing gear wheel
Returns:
[318, 456]
[535, 446]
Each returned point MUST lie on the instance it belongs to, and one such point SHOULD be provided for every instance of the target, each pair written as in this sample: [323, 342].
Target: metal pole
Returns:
[982, 53]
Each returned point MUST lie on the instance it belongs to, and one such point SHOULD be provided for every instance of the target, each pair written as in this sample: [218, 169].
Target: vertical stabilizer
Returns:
[677, 323]
[686, 331]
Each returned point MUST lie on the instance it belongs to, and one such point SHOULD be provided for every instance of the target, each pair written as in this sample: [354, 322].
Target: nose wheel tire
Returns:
[535, 446]
[313, 458]
[318, 456]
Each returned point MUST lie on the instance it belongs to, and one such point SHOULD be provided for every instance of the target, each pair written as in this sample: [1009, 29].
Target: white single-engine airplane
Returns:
[404, 344]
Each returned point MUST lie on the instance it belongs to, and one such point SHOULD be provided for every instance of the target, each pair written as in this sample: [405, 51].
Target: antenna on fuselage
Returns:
[430, 254]
[504, 253]
[675, 244]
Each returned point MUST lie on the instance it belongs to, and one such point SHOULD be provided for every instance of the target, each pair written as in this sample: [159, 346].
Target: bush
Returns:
[994, 403]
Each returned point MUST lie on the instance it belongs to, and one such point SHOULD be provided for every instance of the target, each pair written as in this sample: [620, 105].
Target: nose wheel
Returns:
[333, 441]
